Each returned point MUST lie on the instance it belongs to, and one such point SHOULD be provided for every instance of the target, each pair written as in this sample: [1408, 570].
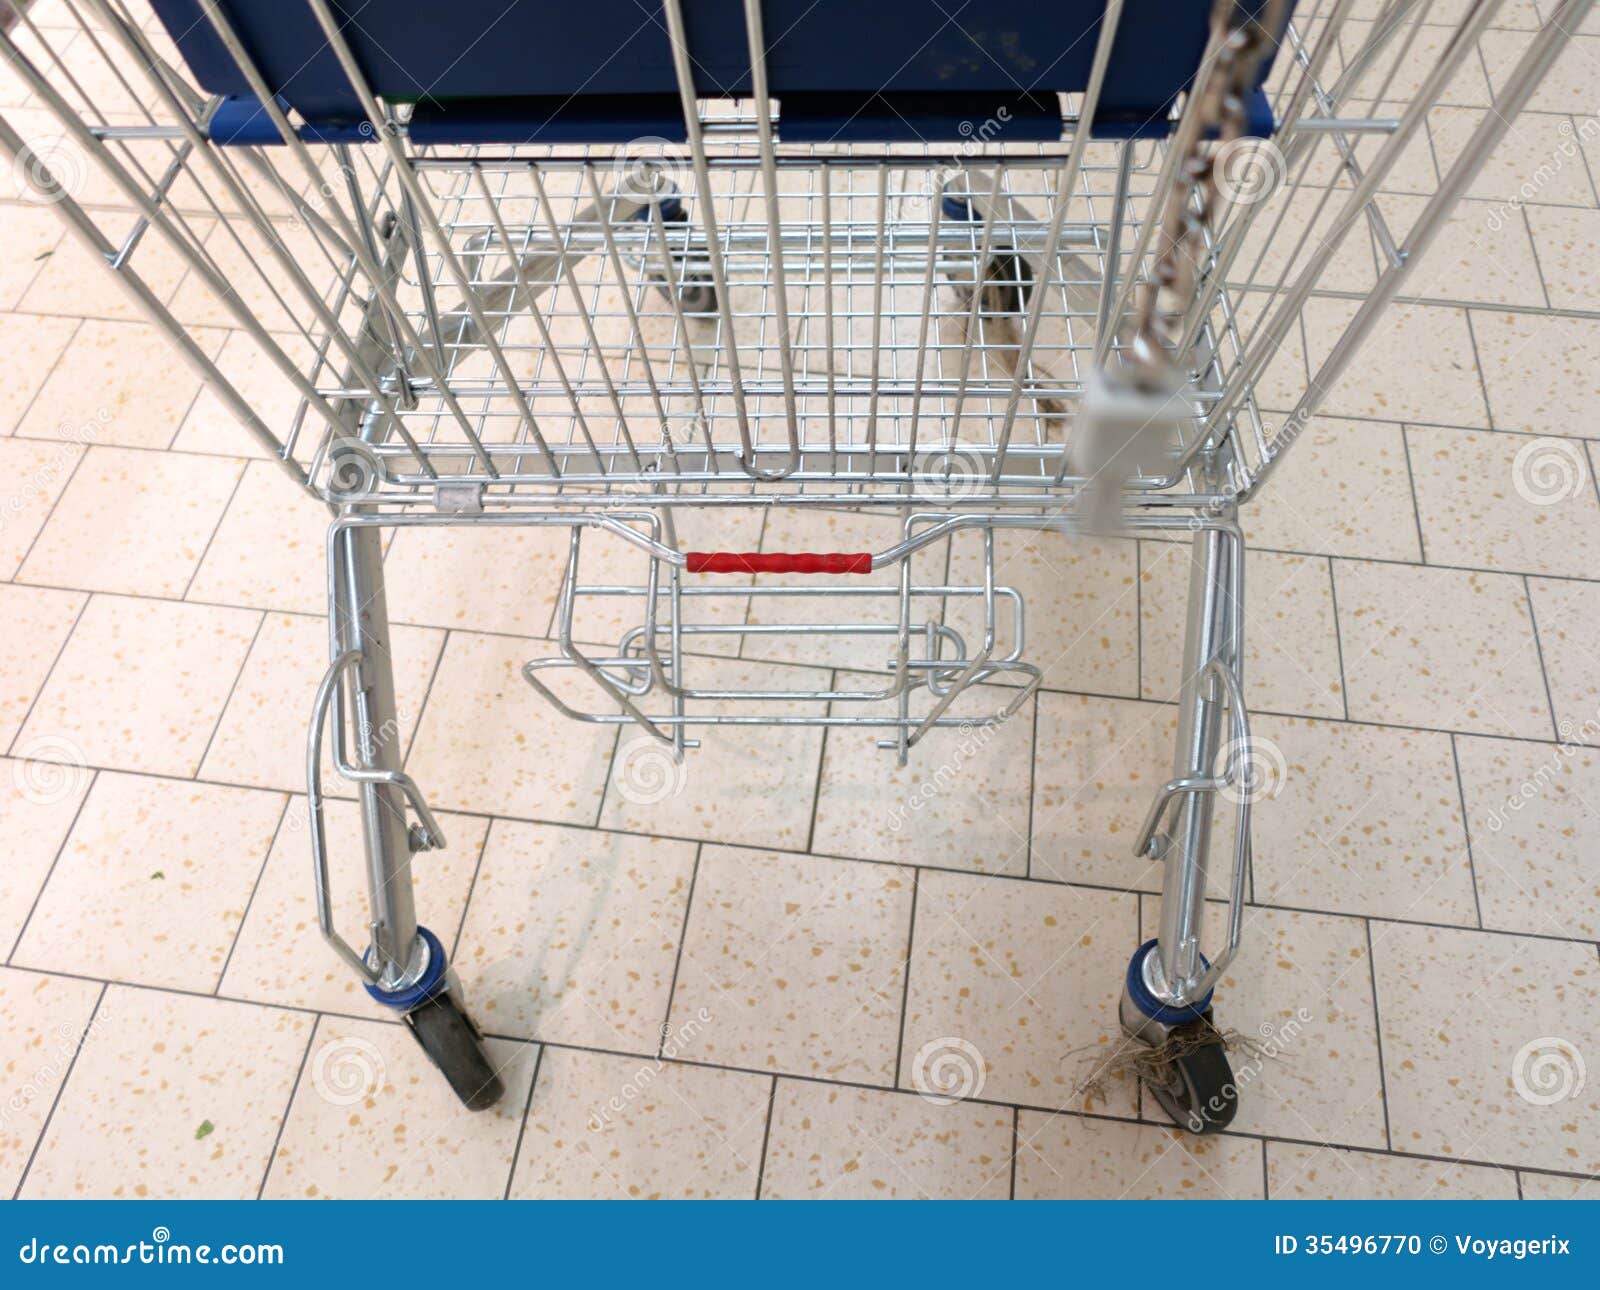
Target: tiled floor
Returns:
[745, 983]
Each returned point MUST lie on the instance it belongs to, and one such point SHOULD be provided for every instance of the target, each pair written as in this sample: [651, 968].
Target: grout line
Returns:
[66, 1078]
[677, 959]
[905, 985]
[44, 683]
[1416, 509]
[1338, 647]
[1538, 649]
[54, 861]
[261, 872]
[222, 712]
[1377, 1036]
[1016, 1118]
[222, 518]
[522, 1124]
[294, 1091]
[766, 1135]
[1466, 828]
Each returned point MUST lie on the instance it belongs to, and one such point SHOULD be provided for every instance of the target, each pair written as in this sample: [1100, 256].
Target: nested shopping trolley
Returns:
[1026, 266]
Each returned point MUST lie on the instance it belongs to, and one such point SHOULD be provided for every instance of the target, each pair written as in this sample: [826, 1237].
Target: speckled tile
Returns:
[1440, 648]
[117, 383]
[1098, 764]
[1557, 178]
[1343, 488]
[143, 892]
[254, 276]
[75, 282]
[961, 802]
[1539, 372]
[1416, 364]
[1067, 1157]
[35, 475]
[1556, 1187]
[1506, 502]
[1082, 605]
[1568, 618]
[1301, 988]
[270, 550]
[1481, 254]
[32, 235]
[38, 621]
[1488, 1068]
[210, 427]
[32, 345]
[1299, 1172]
[1568, 242]
[261, 738]
[280, 956]
[1569, 84]
[487, 742]
[488, 579]
[42, 1020]
[794, 964]
[1534, 812]
[39, 800]
[373, 1120]
[609, 1128]
[133, 522]
[1360, 820]
[833, 1143]
[1290, 641]
[1015, 985]
[572, 934]
[139, 685]
[171, 1096]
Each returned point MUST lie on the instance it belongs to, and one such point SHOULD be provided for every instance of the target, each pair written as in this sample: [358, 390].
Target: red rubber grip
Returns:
[778, 562]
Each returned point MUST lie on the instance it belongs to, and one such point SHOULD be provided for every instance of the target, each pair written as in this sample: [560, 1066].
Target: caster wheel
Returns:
[1196, 1087]
[697, 296]
[453, 1044]
[1008, 284]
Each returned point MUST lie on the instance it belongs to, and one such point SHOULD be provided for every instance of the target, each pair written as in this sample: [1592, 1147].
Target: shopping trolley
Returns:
[1023, 268]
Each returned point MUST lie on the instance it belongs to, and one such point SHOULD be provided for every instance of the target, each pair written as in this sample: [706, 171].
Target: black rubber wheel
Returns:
[454, 1045]
[697, 295]
[1197, 1089]
[1009, 283]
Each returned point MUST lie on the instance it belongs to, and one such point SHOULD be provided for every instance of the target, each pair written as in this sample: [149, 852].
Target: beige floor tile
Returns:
[606, 1128]
[1420, 56]
[171, 1096]
[261, 738]
[42, 1020]
[31, 345]
[572, 934]
[1557, 1187]
[1098, 766]
[1505, 502]
[487, 742]
[133, 522]
[252, 272]
[1082, 606]
[1014, 989]
[35, 475]
[1301, 987]
[1066, 1157]
[1417, 364]
[1290, 640]
[1568, 242]
[1539, 371]
[1534, 812]
[1557, 177]
[1360, 820]
[1483, 1041]
[143, 892]
[373, 1120]
[210, 427]
[961, 802]
[1440, 648]
[280, 956]
[32, 233]
[1343, 489]
[794, 964]
[117, 383]
[39, 801]
[1297, 1172]
[746, 786]
[271, 548]
[488, 579]
[38, 621]
[1568, 618]
[1567, 87]
[75, 282]
[832, 1143]
[140, 685]
[1482, 253]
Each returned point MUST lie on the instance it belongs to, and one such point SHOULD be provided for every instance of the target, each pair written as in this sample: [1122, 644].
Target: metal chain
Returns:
[1244, 36]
